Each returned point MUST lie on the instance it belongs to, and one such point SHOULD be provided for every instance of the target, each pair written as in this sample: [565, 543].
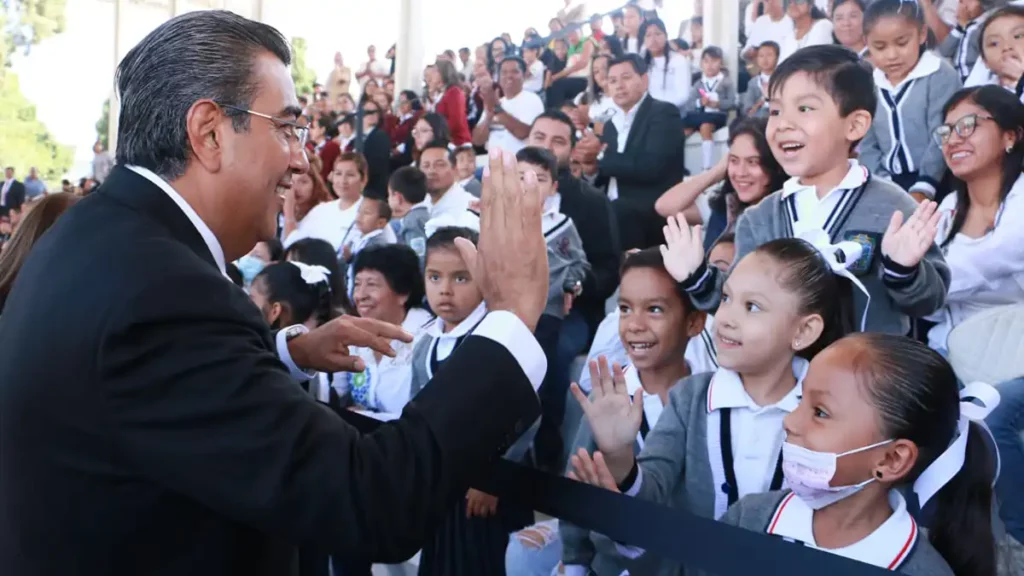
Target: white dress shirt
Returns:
[623, 122]
[453, 203]
[328, 222]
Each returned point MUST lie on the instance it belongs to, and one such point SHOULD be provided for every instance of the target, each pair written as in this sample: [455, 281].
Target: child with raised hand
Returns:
[656, 323]
[473, 536]
[879, 412]
[1002, 47]
[913, 85]
[720, 435]
[821, 102]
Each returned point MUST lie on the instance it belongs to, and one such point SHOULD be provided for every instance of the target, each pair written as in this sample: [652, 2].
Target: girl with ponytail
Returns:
[879, 412]
[291, 293]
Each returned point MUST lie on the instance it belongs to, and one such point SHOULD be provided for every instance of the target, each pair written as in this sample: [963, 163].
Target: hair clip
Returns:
[839, 258]
[312, 275]
[977, 401]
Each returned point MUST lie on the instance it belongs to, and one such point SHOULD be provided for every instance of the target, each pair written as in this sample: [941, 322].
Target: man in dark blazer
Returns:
[639, 152]
[377, 150]
[12, 192]
[146, 424]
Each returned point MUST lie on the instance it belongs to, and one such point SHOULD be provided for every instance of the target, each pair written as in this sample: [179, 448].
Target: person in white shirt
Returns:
[335, 221]
[447, 197]
[774, 25]
[981, 231]
[505, 123]
[372, 69]
[534, 69]
[595, 104]
[669, 72]
[811, 27]
[632, 19]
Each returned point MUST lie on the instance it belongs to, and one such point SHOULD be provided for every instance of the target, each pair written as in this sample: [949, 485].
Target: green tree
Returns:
[24, 140]
[103, 126]
[303, 76]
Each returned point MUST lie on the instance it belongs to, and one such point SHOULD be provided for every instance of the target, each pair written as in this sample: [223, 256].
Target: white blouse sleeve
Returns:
[820, 33]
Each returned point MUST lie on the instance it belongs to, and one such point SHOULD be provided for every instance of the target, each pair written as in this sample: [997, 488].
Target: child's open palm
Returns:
[593, 471]
[683, 250]
[907, 242]
[613, 416]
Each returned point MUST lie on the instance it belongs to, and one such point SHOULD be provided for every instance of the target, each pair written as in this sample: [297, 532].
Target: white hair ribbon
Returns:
[840, 257]
[312, 275]
[949, 463]
[464, 219]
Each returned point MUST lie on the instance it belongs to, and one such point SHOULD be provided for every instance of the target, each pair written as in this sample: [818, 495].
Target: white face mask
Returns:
[809, 474]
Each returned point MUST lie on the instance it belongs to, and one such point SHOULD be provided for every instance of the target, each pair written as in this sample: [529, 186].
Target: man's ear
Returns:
[204, 128]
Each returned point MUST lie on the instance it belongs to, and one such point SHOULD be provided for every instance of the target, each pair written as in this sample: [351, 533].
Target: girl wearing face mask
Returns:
[720, 435]
[879, 412]
[716, 198]
[261, 256]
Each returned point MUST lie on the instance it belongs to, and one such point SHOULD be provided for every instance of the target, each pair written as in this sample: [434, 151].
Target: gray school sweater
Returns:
[581, 547]
[911, 113]
[963, 46]
[754, 512]
[411, 232]
[726, 95]
[751, 96]
[864, 220]
[567, 262]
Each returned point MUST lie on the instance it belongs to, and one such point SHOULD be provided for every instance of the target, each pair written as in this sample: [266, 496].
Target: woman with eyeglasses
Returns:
[982, 235]
[982, 227]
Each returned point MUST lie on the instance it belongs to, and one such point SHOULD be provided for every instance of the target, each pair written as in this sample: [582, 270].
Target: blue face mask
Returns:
[250, 266]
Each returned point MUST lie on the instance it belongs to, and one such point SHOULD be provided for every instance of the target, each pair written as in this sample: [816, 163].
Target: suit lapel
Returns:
[134, 191]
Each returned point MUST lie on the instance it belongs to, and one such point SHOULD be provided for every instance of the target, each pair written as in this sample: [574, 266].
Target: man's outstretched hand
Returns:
[326, 348]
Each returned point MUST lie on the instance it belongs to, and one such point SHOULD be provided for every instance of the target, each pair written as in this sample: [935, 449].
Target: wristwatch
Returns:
[600, 155]
[575, 289]
[293, 332]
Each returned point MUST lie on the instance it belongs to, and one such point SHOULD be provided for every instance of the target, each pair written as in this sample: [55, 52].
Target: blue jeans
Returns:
[1007, 424]
[537, 555]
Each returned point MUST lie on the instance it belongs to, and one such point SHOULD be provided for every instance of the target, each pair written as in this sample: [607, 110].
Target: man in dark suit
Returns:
[12, 193]
[377, 150]
[639, 152]
[146, 424]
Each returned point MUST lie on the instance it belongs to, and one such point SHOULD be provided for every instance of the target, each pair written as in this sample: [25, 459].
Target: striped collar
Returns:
[855, 177]
[887, 547]
[726, 390]
[928, 64]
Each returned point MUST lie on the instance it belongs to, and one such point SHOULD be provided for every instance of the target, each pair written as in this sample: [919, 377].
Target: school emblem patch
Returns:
[359, 387]
[562, 248]
[870, 243]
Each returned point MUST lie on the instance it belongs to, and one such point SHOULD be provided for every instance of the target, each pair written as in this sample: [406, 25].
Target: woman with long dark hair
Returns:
[669, 73]
[748, 173]
[811, 27]
[40, 217]
[452, 104]
[848, 24]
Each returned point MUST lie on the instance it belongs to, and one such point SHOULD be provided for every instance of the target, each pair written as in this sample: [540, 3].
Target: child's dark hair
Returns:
[400, 267]
[878, 9]
[756, 129]
[283, 283]
[712, 52]
[383, 209]
[444, 238]
[410, 182]
[652, 258]
[837, 70]
[275, 249]
[1008, 10]
[917, 397]
[1006, 111]
[727, 238]
[820, 290]
[317, 252]
[541, 158]
[771, 45]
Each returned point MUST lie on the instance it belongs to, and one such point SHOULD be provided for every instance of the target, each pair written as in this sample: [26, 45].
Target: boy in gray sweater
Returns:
[407, 193]
[822, 100]
[568, 266]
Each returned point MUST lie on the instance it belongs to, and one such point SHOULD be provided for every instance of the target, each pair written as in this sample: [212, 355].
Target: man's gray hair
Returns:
[205, 54]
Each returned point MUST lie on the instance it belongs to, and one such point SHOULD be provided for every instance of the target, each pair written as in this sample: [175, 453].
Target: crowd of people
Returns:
[767, 337]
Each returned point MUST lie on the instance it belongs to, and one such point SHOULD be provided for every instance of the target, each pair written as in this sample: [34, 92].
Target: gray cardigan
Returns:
[567, 263]
[725, 89]
[917, 114]
[751, 96]
[754, 512]
[963, 46]
[892, 300]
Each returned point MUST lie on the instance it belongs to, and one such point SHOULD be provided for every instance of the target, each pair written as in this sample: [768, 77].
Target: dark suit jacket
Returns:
[653, 158]
[377, 149]
[15, 197]
[147, 426]
[592, 213]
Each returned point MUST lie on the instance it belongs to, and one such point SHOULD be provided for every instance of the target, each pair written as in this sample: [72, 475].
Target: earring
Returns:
[1009, 149]
[878, 474]
[796, 344]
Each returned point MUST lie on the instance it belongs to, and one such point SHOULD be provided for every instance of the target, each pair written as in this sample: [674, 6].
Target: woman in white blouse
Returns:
[668, 72]
[982, 228]
[595, 104]
[811, 27]
[335, 221]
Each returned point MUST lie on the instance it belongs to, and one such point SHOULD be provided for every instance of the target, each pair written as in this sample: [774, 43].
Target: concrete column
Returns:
[411, 45]
[722, 29]
[257, 11]
[120, 14]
